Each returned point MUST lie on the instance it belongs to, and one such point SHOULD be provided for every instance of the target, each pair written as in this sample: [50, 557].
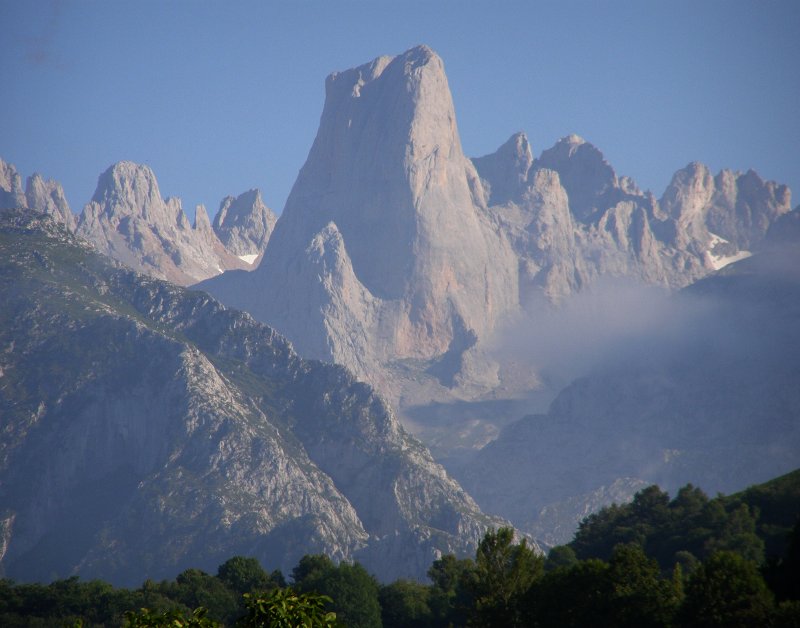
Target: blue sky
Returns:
[221, 97]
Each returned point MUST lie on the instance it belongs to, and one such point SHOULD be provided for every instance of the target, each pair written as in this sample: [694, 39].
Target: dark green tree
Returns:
[450, 595]
[571, 597]
[286, 608]
[504, 571]
[195, 588]
[726, 590]
[353, 590]
[560, 556]
[145, 618]
[245, 575]
[404, 604]
[639, 596]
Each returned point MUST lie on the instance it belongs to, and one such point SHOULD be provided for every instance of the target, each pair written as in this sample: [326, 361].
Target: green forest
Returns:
[658, 561]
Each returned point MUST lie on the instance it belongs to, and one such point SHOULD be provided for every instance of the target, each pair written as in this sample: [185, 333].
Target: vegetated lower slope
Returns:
[711, 398]
[146, 428]
[755, 523]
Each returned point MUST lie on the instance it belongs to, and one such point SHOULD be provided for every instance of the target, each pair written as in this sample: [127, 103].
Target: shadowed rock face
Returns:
[709, 397]
[147, 429]
[588, 178]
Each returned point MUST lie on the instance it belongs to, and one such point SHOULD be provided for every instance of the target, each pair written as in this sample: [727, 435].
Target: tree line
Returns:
[661, 562]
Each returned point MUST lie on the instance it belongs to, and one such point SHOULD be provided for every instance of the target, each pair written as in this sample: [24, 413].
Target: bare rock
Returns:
[129, 221]
[11, 193]
[48, 196]
[244, 224]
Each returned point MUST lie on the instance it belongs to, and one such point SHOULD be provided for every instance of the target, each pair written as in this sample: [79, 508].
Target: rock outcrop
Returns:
[42, 195]
[129, 221]
[571, 219]
[148, 429]
[11, 192]
[732, 208]
[244, 225]
[48, 196]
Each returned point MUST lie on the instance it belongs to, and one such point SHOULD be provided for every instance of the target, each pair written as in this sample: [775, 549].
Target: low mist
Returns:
[611, 323]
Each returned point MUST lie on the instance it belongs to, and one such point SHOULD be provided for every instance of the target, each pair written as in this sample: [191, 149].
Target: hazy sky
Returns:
[221, 97]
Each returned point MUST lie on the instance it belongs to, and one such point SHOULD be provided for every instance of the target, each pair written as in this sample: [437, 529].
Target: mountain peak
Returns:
[387, 138]
[584, 173]
[48, 196]
[388, 170]
[129, 185]
[504, 173]
[244, 224]
[573, 139]
[11, 194]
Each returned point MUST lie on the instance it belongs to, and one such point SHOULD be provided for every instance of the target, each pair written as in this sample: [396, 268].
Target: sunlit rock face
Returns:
[11, 192]
[403, 260]
[244, 224]
[39, 194]
[128, 220]
[48, 196]
[389, 200]
[572, 219]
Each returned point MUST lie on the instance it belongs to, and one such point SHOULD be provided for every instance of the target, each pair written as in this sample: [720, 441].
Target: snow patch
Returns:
[721, 261]
[248, 258]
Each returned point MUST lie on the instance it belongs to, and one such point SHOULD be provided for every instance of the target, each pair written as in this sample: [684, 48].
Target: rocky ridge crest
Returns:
[128, 220]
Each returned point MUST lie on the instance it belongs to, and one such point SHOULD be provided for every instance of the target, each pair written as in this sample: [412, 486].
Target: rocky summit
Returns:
[147, 429]
[402, 259]
[41, 195]
[384, 249]
[244, 225]
[129, 221]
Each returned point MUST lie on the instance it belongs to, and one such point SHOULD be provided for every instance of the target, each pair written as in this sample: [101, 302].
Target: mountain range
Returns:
[129, 221]
[422, 273]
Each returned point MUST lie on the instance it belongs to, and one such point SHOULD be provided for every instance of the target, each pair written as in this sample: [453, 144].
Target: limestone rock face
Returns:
[48, 196]
[571, 219]
[504, 173]
[129, 221]
[385, 182]
[42, 195]
[11, 193]
[589, 180]
[244, 224]
[182, 433]
[734, 207]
